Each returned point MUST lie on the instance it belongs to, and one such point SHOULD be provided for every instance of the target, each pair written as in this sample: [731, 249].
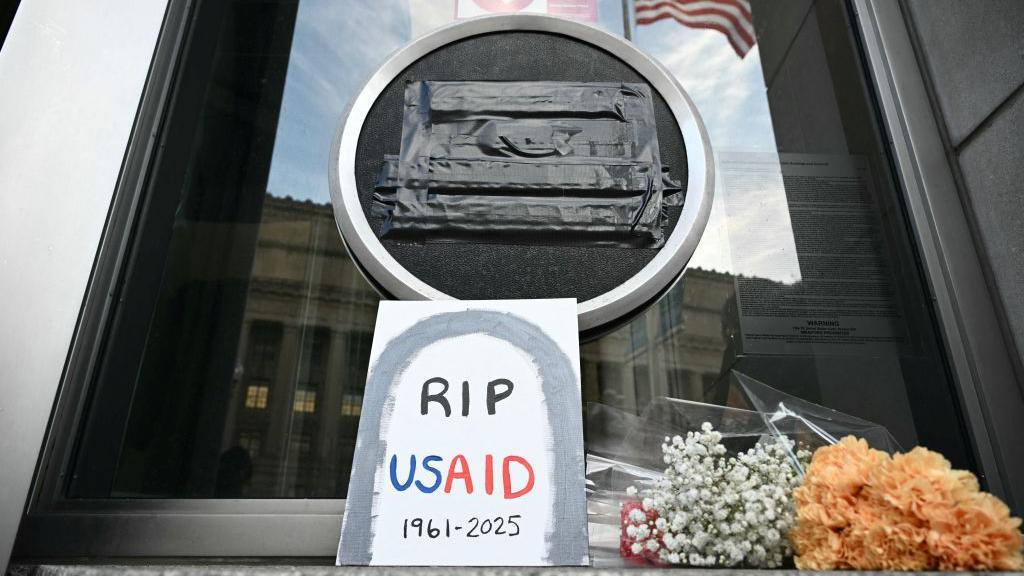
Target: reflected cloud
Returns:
[729, 91]
[749, 232]
[333, 52]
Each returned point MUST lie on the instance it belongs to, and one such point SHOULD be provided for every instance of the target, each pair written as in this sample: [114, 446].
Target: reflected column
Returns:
[280, 401]
[330, 413]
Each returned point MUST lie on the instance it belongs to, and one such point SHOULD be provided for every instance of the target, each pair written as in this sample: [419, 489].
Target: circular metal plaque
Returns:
[621, 282]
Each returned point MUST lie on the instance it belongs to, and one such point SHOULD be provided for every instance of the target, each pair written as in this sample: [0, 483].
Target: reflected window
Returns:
[300, 445]
[351, 405]
[256, 397]
[251, 441]
[305, 401]
[260, 366]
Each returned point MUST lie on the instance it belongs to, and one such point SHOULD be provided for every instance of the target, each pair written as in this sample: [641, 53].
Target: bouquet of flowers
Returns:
[697, 484]
[711, 509]
[860, 508]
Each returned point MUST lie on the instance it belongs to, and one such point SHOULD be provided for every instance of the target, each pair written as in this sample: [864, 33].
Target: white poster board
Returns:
[470, 445]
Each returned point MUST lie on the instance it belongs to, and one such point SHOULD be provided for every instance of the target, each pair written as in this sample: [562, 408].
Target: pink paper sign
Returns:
[582, 10]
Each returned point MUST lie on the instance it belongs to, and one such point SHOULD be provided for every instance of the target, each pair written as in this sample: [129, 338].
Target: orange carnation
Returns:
[859, 508]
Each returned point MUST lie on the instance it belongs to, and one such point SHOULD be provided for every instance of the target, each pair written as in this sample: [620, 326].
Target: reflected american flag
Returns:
[730, 17]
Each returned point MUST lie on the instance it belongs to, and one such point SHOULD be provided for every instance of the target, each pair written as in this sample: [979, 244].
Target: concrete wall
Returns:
[973, 53]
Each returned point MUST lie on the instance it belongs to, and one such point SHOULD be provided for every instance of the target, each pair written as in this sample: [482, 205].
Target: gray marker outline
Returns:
[567, 543]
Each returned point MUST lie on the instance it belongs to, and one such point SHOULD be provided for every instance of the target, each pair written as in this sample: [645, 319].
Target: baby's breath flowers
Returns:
[711, 509]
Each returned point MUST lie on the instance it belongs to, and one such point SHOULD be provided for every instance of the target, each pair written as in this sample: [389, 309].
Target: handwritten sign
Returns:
[470, 445]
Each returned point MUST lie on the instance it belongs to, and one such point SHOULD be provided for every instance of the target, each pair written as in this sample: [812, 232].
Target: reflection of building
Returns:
[674, 349]
[305, 342]
[302, 354]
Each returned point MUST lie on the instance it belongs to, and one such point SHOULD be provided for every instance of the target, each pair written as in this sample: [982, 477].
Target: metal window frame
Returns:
[979, 357]
[54, 527]
[67, 89]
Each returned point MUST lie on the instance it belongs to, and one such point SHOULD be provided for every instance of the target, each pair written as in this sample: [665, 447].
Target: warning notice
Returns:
[842, 300]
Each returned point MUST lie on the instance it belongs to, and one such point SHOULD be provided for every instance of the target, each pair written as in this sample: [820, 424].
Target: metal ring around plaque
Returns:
[640, 290]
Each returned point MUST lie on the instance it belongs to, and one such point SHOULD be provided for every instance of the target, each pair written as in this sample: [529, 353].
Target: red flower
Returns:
[625, 541]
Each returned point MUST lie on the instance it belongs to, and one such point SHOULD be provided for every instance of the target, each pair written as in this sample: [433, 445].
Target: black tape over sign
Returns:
[536, 162]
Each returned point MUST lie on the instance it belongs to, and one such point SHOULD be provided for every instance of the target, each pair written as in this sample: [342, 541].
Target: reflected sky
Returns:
[338, 44]
[749, 231]
[728, 91]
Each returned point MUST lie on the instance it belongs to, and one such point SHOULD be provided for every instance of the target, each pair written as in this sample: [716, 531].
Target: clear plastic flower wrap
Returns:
[626, 450]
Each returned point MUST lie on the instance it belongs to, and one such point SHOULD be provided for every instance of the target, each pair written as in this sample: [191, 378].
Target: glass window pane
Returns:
[235, 361]
[805, 278]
